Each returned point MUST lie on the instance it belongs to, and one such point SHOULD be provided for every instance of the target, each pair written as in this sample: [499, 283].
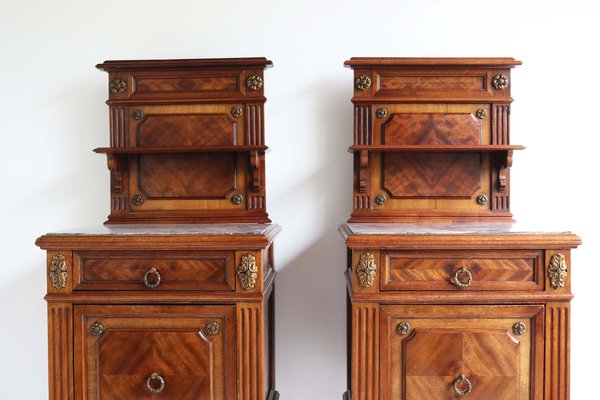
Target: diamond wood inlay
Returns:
[431, 174]
[186, 130]
[431, 129]
[187, 175]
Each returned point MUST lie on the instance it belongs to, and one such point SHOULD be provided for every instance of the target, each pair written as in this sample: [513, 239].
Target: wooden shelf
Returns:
[170, 150]
[436, 148]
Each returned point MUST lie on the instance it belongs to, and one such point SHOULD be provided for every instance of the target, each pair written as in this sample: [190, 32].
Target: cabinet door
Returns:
[149, 352]
[182, 181]
[431, 183]
[471, 352]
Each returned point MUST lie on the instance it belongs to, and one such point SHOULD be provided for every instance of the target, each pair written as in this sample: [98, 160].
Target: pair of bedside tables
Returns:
[173, 298]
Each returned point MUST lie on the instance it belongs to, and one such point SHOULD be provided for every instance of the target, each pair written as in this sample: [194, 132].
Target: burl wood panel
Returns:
[187, 130]
[190, 270]
[445, 342]
[431, 129]
[431, 174]
[432, 83]
[189, 83]
[494, 270]
[173, 342]
[433, 360]
[181, 176]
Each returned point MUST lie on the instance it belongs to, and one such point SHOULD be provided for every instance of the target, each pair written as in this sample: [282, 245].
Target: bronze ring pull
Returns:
[154, 282]
[462, 386]
[155, 383]
[456, 278]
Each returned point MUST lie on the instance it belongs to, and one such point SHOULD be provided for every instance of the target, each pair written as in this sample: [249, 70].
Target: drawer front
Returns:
[145, 352]
[165, 270]
[475, 352]
[188, 84]
[432, 84]
[462, 270]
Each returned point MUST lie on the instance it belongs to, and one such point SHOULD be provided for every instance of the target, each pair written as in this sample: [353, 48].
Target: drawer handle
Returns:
[456, 278]
[155, 383]
[462, 386]
[154, 282]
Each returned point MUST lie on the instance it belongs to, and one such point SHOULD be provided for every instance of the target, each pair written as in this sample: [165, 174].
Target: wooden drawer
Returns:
[152, 352]
[159, 270]
[475, 270]
[474, 352]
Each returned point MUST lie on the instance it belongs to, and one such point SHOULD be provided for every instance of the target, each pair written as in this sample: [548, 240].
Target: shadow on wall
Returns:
[310, 289]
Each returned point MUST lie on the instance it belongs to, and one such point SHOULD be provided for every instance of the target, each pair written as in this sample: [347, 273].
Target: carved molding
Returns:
[363, 130]
[365, 351]
[255, 124]
[557, 271]
[60, 351]
[58, 271]
[366, 270]
[362, 202]
[248, 272]
[250, 351]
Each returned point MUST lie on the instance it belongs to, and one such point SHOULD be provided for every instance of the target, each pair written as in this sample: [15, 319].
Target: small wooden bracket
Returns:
[503, 171]
[363, 171]
[255, 164]
[113, 162]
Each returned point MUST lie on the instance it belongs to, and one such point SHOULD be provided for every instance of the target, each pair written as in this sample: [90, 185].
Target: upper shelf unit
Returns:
[186, 140]
[431, 139]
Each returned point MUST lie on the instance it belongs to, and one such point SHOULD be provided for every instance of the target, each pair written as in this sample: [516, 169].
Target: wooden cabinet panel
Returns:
[462, 270]
[439, 352]
[431, 139]
[185, 126]
[186, 181]
[443, 305]
[161, 270]
[139, 352]
[187, 140]
[425, 181]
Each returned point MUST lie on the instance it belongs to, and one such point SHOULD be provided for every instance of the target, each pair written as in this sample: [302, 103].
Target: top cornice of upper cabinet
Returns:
[188, 63]
[432, 62]
[210, 80]
[400, 79]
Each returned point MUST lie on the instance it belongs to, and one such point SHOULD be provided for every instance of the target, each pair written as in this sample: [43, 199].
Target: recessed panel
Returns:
[425, 82]
[186, 130]
[431, 174]
[431, 129]
[165, 84]
[187, 175]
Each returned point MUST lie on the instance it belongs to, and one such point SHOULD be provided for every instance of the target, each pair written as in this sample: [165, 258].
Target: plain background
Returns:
[53, 113]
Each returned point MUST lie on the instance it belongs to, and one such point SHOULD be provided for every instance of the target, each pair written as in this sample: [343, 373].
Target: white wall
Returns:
[53, 113]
